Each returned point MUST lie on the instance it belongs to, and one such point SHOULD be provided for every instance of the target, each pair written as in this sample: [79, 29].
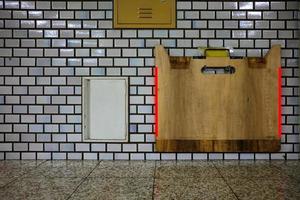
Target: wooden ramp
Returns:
[236, 111]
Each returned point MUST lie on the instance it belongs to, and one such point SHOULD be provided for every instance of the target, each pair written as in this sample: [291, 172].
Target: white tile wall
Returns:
[47, 46]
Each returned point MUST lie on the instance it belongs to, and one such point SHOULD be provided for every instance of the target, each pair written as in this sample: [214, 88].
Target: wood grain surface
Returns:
[199, 108]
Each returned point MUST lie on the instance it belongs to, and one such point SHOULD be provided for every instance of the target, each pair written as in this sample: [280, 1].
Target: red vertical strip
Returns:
[279, 100]
[156, 100]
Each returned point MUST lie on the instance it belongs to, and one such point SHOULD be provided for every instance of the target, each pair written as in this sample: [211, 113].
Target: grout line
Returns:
[225, 181]
[83, 180]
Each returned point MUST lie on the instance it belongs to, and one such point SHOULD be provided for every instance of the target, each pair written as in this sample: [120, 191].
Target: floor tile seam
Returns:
[22, 176]
[226, 182]
[83, 180]
[10, 182]
[41, 163]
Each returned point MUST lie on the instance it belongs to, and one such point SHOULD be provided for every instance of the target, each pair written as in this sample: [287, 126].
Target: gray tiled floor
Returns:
[149, 180]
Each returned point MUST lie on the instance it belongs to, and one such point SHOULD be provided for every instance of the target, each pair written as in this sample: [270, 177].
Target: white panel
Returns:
[105, 108]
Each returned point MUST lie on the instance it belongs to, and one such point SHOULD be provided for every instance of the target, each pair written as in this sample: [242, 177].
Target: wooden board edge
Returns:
[218, 145]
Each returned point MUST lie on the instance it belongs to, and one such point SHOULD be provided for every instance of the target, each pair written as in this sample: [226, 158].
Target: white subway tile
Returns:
[50, 109]
[262, 5]
[43, 137]
[12, 156]
[74, 5]
[152, 156]
[90, 156]
[145, 33]
[59, 137]
[90, 5]
[20, 147]
[254, 33]
[113, 147]
[35, 146]
[98, 147]
[184, 5]
[207, 34]
[43, 5]
[197, 5]
[44, 156]
[231, 156]
[105, 25]
[26, 137]
[12, 137]
[215, 5]
[145, 147]
[74, 156]
[104, 5]
[136, 137]
[5, 52]
[106, 156]
[67, 147]
[277, 5]
[215, 156]
[293, 156]
[184, 24]
[247, 156]
[192, 14]
[60, 5]
[277, 156]
[223, 15]
[245, 5]
[168, 156]
[27, 5]
[82, 147]
[223, 34]
[59, 156]
[262, 156]
[11, 4]
[137, 156]
[285, 15]
[239, 34]
[121, 156]
[50, 14]
[97, 14]
[12, 118]
[28, 156]
[98, 71]
[269, 15]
